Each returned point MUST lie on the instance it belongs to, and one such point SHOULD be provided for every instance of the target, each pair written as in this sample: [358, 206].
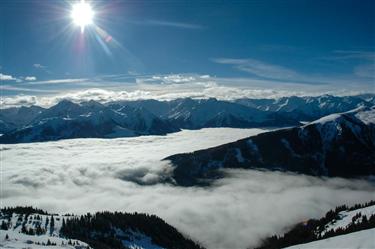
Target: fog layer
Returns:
[84, 175]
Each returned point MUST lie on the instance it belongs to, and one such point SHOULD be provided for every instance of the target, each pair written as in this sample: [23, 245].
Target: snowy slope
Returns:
[346, 217]
[21, 228]
[308, 107]
[22, 241]
[342, 227]
[191, 113]
[17, 239]
[360, 240]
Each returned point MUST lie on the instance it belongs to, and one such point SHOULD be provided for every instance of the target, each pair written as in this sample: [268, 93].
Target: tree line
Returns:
[101, 230]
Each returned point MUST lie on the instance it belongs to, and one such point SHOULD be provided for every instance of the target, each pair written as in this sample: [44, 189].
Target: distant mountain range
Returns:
[152, 117]
[336, 145]
[310, 108]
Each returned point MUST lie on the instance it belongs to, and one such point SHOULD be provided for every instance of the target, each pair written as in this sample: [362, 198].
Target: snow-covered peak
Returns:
[361, 113]
[333, 126]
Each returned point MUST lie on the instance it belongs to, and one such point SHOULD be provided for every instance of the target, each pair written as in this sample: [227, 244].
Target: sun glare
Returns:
[82, 14]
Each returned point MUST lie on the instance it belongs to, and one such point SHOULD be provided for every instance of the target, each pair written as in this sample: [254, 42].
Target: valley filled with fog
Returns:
[128, 174]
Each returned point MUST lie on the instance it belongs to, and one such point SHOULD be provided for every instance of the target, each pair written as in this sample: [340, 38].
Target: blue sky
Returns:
[269, 44]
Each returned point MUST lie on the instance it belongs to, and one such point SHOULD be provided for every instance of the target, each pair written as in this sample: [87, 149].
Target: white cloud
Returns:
[168, 87]
[197, 91]
[19, 88]
[283, 76]
[19, 100]
[58, 81]
[37, 65]
[30, 78]
[171, 24]
[82, 175]
[352, 54]
[5, 77]
[260, 68]
[42, 68]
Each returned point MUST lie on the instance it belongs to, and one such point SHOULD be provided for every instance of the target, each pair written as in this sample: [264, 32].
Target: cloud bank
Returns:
[84, 175]
[162, 87]
[6, 77]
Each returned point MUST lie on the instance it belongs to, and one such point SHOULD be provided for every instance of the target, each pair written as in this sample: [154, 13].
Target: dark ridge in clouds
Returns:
[85, 175]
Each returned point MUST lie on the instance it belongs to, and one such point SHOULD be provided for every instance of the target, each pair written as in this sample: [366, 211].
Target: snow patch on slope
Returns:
[360, 240]
[367, 117]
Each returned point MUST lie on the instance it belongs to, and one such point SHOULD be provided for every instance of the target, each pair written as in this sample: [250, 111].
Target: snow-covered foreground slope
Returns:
[87, 175]
[19, 240]
[23, 228]
[359, 240]
[14, 238]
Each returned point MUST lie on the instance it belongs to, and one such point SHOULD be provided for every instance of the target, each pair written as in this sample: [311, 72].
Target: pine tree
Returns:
[4, 225]
[39, 230]
[52, 225]
[47, 221]
[6, 237]
[23, 229]
[20, 217]
[31, 231]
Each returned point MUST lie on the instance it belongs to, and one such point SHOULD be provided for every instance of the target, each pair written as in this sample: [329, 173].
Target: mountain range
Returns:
[336, 145]
[92, 119]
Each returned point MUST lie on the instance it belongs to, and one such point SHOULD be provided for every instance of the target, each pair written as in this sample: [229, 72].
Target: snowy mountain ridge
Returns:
[88, 119]
[337, 145]
[153, 117]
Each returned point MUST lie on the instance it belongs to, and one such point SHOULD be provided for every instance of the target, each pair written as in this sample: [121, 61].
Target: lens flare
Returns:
[82, 14]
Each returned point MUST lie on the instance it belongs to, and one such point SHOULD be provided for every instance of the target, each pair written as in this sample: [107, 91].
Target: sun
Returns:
[82, 14]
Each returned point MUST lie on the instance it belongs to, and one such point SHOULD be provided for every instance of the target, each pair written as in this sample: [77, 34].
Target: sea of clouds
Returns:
[126, 174]
[163, 87]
